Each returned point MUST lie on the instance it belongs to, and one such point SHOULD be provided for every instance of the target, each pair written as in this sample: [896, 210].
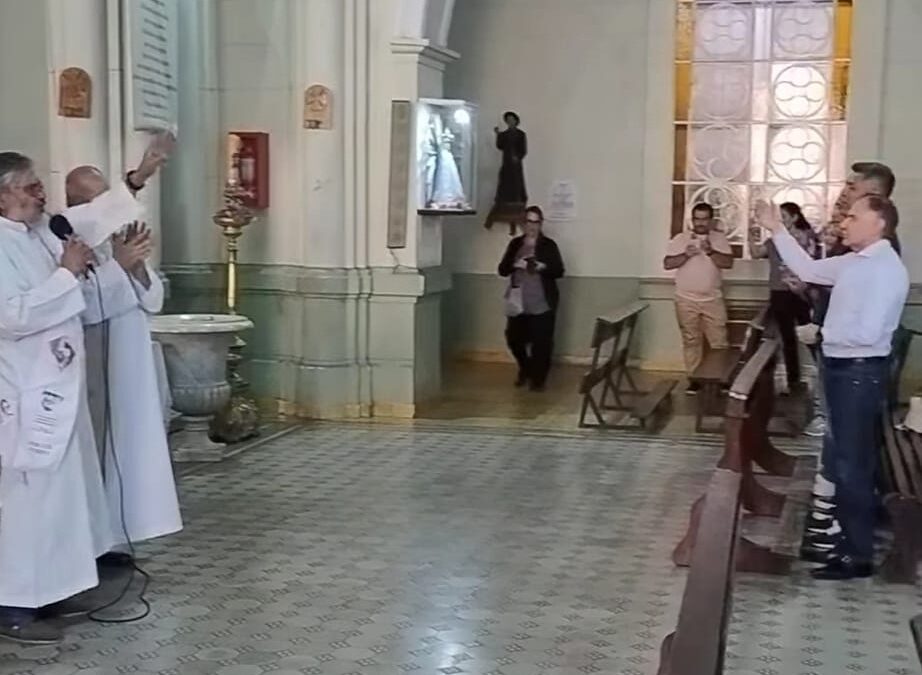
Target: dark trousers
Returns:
[790, 310]
[856, 390]
[16, 615]
[531, 340]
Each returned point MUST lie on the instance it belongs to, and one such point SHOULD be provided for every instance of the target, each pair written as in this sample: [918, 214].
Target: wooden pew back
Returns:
[699, 643]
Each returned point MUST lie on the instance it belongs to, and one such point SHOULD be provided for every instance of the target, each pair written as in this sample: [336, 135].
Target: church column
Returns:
[867, 79]
[134, 141]
[418, 72]
[76, 38]
[193, 179]
[92, 35]
[407, 283]
[329, 378]
[317, 58]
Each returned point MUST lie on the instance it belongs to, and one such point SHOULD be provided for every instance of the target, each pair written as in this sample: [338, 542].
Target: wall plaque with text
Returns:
[397, 211]
[154, 54]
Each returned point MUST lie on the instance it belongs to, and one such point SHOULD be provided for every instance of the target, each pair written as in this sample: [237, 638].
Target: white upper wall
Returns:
[255, 94]
[901, 109]
[579, 73]
[77, 38]
[24, 72]
[592, 80]
[575, 72]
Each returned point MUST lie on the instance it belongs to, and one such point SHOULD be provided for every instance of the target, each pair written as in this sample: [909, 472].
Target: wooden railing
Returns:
[713, 546]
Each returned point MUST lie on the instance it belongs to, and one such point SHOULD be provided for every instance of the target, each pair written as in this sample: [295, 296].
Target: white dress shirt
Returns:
[869, 289]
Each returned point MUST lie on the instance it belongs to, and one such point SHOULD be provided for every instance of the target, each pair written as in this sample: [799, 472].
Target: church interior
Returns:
[364, 490]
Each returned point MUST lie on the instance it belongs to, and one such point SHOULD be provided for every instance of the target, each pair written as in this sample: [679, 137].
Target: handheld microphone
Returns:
[61, 228]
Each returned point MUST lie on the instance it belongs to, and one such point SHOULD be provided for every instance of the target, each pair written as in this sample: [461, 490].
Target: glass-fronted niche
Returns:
[446, 162]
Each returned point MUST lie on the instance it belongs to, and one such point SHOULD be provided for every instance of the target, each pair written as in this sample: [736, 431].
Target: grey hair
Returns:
[12, 165]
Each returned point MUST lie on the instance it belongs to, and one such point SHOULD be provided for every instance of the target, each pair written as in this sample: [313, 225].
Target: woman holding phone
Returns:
[788, 299]
[533, 264]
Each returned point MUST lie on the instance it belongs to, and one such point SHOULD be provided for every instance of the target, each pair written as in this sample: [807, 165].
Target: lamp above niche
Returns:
[248, 166]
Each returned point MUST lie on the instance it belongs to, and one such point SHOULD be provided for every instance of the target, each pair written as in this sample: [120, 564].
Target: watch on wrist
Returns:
[131, 184]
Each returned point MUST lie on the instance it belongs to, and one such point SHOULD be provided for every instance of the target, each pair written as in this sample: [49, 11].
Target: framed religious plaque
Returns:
[318, 107]
[151, 35]
[399, 188]
[75, 93]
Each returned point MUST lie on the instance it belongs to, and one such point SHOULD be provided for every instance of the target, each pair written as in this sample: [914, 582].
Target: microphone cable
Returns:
[107, 437]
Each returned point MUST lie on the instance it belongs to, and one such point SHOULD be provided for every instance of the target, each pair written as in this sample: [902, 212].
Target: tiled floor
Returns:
[374, 550]
[481, 395]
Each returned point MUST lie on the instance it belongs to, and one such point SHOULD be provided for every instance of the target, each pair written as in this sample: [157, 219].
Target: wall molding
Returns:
[427, 54]
[306, 356]
[400, 282]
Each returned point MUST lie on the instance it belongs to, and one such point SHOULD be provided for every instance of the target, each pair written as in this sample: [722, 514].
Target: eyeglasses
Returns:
[33, 189]
[535, 222]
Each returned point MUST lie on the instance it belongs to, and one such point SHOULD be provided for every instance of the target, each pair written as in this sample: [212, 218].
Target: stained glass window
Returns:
[760, 107]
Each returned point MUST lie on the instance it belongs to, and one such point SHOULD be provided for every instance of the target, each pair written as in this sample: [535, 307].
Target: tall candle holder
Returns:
[239, 420]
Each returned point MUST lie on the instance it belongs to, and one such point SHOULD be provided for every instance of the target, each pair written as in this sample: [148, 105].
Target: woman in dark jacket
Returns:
[534, 264]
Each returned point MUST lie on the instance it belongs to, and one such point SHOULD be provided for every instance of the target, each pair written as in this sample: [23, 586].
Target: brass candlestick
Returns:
[232, 218]
[240, 418]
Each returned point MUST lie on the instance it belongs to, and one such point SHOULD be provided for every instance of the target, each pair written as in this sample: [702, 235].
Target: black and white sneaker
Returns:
[822, 541]
[832, 529]
[823, 504]
[843, 568]
[819, 523]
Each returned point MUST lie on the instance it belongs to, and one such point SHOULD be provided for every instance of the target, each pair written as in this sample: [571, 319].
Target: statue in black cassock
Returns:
[511, 195]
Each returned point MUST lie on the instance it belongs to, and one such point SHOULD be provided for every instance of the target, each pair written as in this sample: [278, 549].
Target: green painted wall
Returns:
[330, 342]
[349, 343]
[473, 323]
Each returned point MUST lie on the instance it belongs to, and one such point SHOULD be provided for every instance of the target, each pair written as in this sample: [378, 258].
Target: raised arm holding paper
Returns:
[124, 395]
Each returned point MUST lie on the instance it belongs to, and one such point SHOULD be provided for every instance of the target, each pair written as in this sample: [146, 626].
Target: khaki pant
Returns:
[699, 321]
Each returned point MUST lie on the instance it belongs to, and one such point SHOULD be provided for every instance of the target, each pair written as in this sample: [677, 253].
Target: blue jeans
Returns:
[856, 390]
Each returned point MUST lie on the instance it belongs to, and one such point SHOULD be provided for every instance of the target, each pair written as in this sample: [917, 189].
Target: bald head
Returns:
[84, 184]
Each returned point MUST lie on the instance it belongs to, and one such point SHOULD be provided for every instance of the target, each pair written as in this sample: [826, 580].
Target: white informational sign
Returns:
[561, 203]
[153, 38]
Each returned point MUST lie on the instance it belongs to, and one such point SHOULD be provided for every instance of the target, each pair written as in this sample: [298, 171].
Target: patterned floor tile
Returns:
[355, 549]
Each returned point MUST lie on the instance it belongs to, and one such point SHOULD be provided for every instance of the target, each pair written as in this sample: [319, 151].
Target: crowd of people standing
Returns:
[841, 292]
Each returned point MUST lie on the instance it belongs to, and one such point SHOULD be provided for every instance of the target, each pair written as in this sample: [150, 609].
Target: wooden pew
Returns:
[720, 366]
[915, 625]
[712, 546]
[698, 645]
[608, 382]
[901, 476]
[713, 375]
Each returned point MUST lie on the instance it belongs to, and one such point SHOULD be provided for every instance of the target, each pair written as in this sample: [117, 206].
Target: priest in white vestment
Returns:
[54, 522]
[128, 414]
